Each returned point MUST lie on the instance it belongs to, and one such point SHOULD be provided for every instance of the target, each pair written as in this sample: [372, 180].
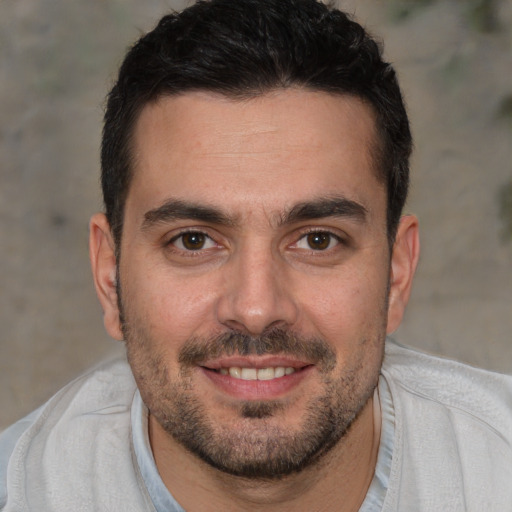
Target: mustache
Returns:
[276, 341]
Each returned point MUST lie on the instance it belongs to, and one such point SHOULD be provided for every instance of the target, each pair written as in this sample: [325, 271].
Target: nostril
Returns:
[253, 299]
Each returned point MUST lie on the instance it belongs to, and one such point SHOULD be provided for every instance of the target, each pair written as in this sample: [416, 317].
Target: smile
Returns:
[256, 378]
[269, 373]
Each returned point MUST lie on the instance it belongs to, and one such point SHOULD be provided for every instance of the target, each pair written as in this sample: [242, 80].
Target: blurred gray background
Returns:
[57, 61]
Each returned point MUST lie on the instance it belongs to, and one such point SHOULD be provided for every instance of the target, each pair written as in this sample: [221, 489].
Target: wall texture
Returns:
[57, 60]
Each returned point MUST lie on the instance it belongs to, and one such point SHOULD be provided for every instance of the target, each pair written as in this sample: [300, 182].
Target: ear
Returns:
[406, 252]
[104, 270]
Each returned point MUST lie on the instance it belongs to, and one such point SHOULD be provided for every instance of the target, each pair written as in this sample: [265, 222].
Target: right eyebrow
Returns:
[176, 209]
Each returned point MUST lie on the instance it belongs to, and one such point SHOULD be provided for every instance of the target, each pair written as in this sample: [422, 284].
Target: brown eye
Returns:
[192, 241]
[319, 241]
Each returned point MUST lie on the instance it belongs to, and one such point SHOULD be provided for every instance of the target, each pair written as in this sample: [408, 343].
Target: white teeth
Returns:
[235, 372]
[257, 374]
[279, 372]
[249, 374]
[266, 374]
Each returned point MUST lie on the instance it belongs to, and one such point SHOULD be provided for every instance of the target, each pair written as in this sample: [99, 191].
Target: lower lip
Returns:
[257, 389]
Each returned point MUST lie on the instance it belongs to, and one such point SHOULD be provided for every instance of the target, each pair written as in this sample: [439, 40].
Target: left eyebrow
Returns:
[323, 208]
[174, 209]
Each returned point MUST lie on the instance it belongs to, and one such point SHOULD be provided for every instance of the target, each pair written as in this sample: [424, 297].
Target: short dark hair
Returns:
[243, 49]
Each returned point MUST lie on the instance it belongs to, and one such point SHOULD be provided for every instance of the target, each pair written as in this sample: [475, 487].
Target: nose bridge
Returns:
[256, 296]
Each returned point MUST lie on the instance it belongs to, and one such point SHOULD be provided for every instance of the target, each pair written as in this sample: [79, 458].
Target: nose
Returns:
[256, 294]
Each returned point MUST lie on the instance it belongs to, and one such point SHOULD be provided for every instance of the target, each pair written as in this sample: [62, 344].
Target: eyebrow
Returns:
[336, 206]
[175, 209]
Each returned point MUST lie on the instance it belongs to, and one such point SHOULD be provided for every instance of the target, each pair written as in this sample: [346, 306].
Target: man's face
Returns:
[254, 274]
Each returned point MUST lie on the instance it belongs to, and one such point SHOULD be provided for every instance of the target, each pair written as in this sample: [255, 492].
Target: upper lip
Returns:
[258, 362]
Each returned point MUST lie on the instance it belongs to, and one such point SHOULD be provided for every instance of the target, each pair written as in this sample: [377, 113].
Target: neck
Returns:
[339, 481]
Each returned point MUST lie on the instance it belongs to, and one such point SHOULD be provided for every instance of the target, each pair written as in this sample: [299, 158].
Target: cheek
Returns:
[169, 307]
[348, 301]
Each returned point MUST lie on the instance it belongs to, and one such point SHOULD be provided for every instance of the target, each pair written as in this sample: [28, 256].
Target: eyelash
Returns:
[197, 252]
[333, 236]
[189, 252]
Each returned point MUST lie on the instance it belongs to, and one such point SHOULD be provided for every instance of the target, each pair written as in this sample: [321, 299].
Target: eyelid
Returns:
[333, 242]
[336, 234]
[170, 242]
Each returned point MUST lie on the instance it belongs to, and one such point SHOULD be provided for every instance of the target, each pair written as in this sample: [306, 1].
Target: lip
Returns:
[256, 389]
[255, 362]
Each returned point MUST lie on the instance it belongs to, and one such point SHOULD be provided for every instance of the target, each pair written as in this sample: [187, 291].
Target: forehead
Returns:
[266, 152]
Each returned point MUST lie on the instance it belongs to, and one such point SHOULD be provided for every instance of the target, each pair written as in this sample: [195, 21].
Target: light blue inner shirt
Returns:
[164, 502]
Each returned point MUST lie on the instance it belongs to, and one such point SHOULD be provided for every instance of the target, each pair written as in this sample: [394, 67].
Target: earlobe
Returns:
[404, 259]
[103, 261]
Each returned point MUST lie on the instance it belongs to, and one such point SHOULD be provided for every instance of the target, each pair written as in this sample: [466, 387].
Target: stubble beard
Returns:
[258, 447]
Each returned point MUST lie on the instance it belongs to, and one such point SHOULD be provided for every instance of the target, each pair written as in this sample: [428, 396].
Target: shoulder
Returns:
[107, 385]
[453, 432]
[106, 388]
[450, 383]
[78, 443]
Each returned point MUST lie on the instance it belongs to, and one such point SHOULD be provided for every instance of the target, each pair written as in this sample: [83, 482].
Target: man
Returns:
[253, 258]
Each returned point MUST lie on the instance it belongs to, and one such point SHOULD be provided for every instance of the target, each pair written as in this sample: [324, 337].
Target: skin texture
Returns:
[255, 236]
